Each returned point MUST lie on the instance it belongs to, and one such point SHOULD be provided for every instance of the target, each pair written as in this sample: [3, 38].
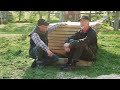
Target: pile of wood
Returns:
[58, 37]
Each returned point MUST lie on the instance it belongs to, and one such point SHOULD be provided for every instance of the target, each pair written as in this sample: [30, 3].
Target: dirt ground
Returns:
[111, 76]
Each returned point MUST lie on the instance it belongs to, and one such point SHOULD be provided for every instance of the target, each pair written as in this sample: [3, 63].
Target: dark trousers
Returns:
[40, 55]
[82, 52]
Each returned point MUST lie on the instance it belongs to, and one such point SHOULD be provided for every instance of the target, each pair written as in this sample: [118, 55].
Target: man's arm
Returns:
[74, 37]
[54, 27]
[37, 40]
[88, 39]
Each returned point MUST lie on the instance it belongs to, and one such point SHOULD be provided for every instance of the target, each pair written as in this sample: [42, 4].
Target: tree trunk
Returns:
[40, 14]
[108, 15]
[90, 15]
[20, 13]
[61, 16]
[48, 16]
[116, 23]
[1, 18]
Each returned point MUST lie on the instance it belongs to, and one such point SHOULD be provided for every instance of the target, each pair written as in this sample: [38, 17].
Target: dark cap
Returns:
[84, 17]
[42, 22]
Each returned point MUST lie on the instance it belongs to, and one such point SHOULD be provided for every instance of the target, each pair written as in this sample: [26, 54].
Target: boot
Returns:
[68, 67]
[37, 64]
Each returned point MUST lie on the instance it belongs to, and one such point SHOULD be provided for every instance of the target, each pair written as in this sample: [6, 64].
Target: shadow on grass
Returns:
[105, 64]
[48, 72]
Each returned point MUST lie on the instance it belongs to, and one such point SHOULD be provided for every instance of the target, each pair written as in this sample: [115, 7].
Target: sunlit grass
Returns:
[15, 62]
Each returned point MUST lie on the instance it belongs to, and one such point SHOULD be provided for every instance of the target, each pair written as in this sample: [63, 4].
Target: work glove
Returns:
[73, 42]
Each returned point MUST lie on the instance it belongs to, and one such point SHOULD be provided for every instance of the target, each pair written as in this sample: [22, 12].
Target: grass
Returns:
[15, 62]
[16, 28]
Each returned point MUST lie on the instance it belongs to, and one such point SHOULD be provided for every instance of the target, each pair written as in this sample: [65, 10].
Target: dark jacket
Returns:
[42, 35]
[89, 38]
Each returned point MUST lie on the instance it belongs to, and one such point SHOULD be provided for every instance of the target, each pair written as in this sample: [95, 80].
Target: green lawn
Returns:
[17, 28]
[15, 62]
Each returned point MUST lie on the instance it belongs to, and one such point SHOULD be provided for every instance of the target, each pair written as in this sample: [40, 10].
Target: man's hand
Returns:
[73, 42]
[50, 54]
[61, 24]
[66, 47]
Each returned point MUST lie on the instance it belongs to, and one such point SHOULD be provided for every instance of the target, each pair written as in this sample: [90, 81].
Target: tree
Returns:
[40, 14]
[48, 16]
[116, 22]
[108, 18]
[5, 16]
[33, 16]
[1, 16]
[20, 14]
[90, 15]
[61, 16]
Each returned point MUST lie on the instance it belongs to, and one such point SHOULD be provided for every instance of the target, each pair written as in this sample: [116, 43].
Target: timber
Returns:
[80, 63]
[57, 38]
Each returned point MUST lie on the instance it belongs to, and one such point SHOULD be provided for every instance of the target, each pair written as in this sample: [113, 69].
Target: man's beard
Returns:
[82, 27]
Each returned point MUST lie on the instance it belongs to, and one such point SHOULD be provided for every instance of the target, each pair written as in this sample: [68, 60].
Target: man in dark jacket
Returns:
[82, 45]
[39, 49]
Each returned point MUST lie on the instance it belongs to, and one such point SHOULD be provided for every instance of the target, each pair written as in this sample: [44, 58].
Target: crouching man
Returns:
[82, 45]
[39, 49]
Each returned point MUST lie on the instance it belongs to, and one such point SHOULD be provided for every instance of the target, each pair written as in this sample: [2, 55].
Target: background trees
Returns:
[111, 17]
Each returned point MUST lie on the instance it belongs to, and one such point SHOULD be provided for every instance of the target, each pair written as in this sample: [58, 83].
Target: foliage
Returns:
[32, 16]
[95, 17]
[105, 27]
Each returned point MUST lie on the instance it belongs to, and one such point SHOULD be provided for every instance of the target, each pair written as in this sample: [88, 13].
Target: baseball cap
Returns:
[42, 22]
[84, 17]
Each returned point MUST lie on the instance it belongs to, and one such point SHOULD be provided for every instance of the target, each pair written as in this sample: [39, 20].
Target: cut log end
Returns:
[79, 63]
